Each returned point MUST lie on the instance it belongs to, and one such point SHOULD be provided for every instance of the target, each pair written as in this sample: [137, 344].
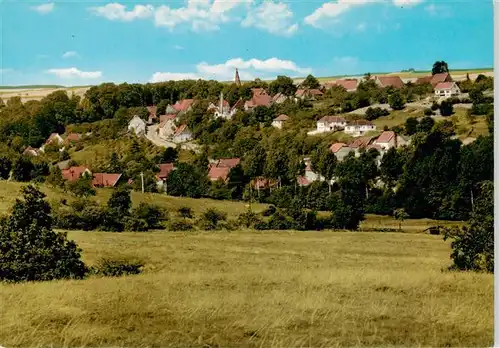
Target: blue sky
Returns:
[89, 42]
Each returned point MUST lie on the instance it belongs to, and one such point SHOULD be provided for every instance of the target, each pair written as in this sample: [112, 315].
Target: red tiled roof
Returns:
[444, 85]
[302, 181]
[315, 92]
[441, 77]
[332, 119]
[336, 147]
[73, 173]
[374, 146]
[239, 104]
[180, 129]
[394, 81]
[424, 79]
[360, 142]
[281, 117]
[348, 84]
[227, 162]
[216, 173]
[152, 110]
[167, 117]
[385, 137]
[165, 169]
[360, 123]
[183, 105]
[259, 98]
[105, 179]
[300, 92]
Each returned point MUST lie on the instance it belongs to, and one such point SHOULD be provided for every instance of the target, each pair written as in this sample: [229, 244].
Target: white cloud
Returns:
[117, 12]
[70, 54]
[248, 70]
[438, 11]
[328, 12]
[68, 73]
[178, 47]
[275, 18]
[44, 8]
[361, 27]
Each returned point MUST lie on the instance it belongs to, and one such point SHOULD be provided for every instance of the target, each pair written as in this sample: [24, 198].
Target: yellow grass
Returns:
[396, 118]
[242, 289]
[466, 127]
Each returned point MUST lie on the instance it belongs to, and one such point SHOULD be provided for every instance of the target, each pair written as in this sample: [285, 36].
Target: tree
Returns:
[446, 108]
[284, 85]
[310, 82]
[82, 187]
[425, 125]
[5, 167]
[55, 178]
[391, 166]
[411, 125]
[400, 215]
[22, 169]
[396, 101]
[324, 162]
[114, 164]
[188, 181]
[120, 201]
[473, 244]
[30, 250]
[169, 155]
[440, 67]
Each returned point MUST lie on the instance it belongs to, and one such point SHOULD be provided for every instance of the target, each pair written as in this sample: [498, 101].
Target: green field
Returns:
[273, 289]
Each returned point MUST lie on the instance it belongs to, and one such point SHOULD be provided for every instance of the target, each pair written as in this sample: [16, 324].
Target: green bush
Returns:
[428, 112]
[135, 224]
[280, 221]
[179, 225]
[248, 219]
[211, 218]
[269, 211]
[30, 250]
[116, 268]
[185, 212]
[151, 214]
[434, 106]
[446, 108]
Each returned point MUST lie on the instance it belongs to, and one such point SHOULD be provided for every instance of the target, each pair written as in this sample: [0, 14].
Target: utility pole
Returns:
[142, 181]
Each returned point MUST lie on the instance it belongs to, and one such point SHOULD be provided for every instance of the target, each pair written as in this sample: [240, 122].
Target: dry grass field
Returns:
[248, 289]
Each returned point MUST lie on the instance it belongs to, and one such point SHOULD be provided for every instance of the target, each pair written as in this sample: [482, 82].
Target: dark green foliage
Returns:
[30, 250]
[5, 167]
[284, 85]
[397, 101]
[473, 245]
[310, 82]
[188, 181]
[248, 219]
[446, 108]
[391, 166]
[219, 190]
[425, 125]
[151, 214]
[411, 125]
[134, 224]
[269, 211]
[374, 113]
[428, 112]
[481, 109]
[439, 67]
[82, 187]
[117, 267]
[22, 169]
[280, 221]
[120, 201]
[169, 155]
[434, 106]
[211, 219]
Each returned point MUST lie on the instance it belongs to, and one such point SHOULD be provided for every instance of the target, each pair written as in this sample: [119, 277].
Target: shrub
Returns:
[446, 108]
[185, 212]
[306, 220]
[269, 211]
[397, 101]
[151, 214]
[428, 112]
[113, 221]
[434, 106]
[179, 225]
[210, 219]
[135, 224]
[248, 219]
[279, 221]
[30, 250]
[374, 113]
[116, 268]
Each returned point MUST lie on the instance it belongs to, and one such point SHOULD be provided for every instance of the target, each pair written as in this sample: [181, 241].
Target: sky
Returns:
[75, 42]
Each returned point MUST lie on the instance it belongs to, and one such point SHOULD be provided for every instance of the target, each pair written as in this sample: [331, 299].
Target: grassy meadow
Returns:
[249, 289]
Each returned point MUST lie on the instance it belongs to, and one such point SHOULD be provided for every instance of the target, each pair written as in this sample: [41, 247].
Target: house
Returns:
[162, 176]
[359, 127]
[219, 173]
[183, 106]
[152, 114]
[386, 140]
[170, 110]
[167, 126]
[72, 138]
[262, 183]
[227, 163]
[63, 164]
[389, 81]
[222, 110]
[341, 150]
[350, 85]
[182, 133]
[278, 121]
[137, 125]
[105, 179]
[259, 98]
[308, 94]
[423, 80]
[279, 98]
[434, 79]
[74, 173]
[303, 181]
[31, 151]
[54, 138]
[330, 123]
[446, 89]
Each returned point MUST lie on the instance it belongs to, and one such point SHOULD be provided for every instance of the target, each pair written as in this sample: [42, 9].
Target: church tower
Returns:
[237, 78]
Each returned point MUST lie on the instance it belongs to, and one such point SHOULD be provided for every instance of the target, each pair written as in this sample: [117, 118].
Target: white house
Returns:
[278, 121]
[223, 110]
[182, 133]
[167, 127]
[446, 89]
[330, 123]
[137, 125]
[279, 98]
[386, 140]
[359, 127]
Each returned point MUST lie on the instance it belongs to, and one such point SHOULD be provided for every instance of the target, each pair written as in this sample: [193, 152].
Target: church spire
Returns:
[237, 78]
